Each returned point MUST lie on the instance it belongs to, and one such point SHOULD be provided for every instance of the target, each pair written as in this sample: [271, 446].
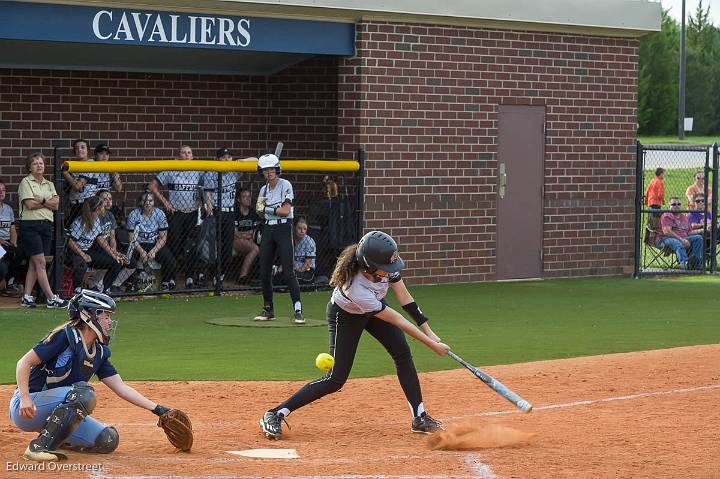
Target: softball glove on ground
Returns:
[177, 427]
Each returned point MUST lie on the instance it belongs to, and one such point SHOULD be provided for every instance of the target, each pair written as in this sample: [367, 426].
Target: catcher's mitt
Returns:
[178, 428]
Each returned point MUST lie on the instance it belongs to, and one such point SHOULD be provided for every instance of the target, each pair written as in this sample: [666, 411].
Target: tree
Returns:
[658, 79]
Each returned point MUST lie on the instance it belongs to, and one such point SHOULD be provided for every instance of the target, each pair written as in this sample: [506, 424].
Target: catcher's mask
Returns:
[378, 251]
[92, 304]
[269, 161]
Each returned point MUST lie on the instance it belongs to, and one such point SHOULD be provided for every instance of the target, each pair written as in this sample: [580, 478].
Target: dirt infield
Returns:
[637, 415]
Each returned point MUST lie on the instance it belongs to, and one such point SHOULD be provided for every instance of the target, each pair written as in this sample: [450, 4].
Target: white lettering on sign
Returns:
[167, 28]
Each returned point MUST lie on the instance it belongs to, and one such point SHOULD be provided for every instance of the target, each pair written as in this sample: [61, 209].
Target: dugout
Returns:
[499, 136]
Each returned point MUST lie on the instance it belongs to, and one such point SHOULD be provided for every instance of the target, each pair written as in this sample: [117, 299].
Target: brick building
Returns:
[499, 136]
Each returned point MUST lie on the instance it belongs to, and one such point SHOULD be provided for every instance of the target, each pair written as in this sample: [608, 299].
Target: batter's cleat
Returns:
[270, 424]
[424, 424]
[43, 456]
[299, 318]
[265, 315]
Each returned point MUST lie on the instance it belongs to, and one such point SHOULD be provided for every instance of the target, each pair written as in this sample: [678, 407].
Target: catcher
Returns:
[53, 396]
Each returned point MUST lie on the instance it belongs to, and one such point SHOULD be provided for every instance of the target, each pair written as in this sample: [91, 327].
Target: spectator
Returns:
[108, 223]
[152, 238]
[698, 186]
[182, 203]
[305, 253]
[697, 224]
[38, 199]
[655, 192]
[89, 246]
[99, 181]
[677, 237]
[223, 214]
[246, 221]
[74, 185]
[8, 241]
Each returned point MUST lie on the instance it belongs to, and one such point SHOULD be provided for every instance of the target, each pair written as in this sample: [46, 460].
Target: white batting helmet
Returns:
[269, 161]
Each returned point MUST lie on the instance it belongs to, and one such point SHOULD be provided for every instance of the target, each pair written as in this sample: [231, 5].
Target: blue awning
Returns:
[40, 35]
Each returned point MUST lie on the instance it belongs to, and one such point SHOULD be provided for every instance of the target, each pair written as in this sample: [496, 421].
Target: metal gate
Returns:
[672, 182]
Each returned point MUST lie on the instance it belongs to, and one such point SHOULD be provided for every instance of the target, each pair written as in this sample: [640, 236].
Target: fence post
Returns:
[58, 266]
[218, 233]
[360, 193]
[639, 169]
[713, 220]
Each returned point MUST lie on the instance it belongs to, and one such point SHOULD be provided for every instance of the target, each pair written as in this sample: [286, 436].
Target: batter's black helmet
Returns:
[377, 250]
[268, 161]
[93, 302]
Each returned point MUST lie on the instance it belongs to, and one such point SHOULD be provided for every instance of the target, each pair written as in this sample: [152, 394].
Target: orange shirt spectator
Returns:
[697, 189]
[655, 192]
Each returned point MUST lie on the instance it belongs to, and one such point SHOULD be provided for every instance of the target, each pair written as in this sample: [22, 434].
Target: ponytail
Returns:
[57, 329]
[346, 267]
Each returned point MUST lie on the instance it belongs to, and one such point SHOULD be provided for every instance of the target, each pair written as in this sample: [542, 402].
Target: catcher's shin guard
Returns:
[79, 402]
[106, 442]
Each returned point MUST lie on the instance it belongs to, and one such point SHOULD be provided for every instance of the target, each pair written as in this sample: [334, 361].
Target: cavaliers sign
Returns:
[122, 26]
[129, 26]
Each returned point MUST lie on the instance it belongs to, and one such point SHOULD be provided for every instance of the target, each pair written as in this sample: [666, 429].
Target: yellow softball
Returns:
[324, 362]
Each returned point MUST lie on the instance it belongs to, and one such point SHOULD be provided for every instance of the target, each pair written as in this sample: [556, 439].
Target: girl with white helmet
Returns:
[275, 206]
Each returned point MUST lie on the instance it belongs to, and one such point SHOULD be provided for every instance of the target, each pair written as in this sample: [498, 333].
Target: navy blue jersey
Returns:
[66, 360]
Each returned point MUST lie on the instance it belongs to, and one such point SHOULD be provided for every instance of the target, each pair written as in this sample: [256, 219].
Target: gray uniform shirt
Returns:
[7, 218]
[227, 189]
[82, 236]
[95, 182]
[275, 197]
[183, 188]
[364, 296]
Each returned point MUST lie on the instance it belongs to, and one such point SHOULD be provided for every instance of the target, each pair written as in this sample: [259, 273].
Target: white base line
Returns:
[593, 401]
[482, 470]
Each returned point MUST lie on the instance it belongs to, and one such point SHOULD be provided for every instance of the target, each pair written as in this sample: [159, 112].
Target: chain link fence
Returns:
[192, 232]
[676, 209]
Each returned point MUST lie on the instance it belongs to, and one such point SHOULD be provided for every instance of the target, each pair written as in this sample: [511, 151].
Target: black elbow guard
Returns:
[414, 311]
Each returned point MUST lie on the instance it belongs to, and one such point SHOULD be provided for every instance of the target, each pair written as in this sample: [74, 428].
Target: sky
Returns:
[675, 7]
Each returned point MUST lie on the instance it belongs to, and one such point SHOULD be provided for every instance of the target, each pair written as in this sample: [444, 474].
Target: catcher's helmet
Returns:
[377, 250]
[268, 161]
[93, 302]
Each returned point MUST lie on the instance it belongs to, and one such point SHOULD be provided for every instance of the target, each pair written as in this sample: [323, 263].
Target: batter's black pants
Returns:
[277, 240]
[345, 331]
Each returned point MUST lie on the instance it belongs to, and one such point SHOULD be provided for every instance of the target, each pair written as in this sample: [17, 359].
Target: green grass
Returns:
[673, 139]
[488, 323]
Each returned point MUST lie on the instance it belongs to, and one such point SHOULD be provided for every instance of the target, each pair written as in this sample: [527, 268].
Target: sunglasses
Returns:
[699, 201]
[675, 204]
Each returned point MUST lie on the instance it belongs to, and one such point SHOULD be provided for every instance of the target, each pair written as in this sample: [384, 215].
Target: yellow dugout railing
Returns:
[149, 166]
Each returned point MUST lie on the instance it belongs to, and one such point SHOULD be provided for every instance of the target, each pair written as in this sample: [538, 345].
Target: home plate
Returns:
[268, 453]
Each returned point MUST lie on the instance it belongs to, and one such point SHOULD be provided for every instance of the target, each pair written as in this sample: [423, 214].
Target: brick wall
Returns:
[149, 115]
[424, 101]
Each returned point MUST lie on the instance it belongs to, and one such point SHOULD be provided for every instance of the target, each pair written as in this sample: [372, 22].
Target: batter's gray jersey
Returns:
[184, 188]
[7, 218]
[275, 197]
[364, 296]
[227, 189]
